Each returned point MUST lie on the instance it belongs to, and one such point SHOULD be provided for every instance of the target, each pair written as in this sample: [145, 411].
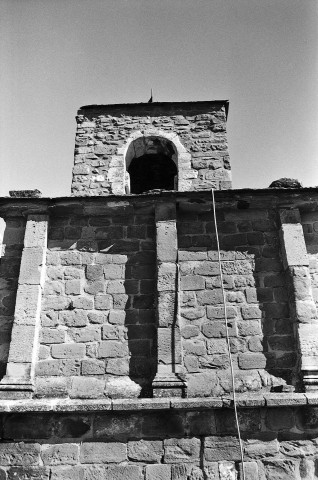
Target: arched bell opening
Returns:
[151, 164]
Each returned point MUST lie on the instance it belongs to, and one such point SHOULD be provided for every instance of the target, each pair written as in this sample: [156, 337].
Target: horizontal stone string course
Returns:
[178, 443]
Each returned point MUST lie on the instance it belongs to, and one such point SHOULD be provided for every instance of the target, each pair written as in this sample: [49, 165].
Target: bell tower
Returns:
[135, 148]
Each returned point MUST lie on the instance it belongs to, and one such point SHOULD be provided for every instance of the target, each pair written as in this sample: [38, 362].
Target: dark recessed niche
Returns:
[150, 172]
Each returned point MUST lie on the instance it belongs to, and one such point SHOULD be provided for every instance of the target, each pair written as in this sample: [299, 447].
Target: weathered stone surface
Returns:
[23, 454]
[64, 454]
[110, 452]
[148, 451]
[158, 472]
[85, 387]
[183, 450]
[220, 449]
[122, 388]
[68, 350]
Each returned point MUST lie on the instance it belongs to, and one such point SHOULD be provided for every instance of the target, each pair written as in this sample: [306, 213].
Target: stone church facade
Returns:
[114, 359]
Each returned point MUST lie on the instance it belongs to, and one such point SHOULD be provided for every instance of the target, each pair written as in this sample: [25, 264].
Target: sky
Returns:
[57, 55]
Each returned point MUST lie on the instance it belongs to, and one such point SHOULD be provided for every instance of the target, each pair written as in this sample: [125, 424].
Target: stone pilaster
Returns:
[302, 305]
[2, 229]
[18, 381]
[169, 379]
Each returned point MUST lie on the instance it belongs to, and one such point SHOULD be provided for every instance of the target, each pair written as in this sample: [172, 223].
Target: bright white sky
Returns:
[57, 55]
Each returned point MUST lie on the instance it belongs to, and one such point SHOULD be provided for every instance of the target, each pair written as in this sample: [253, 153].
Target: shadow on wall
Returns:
[101, 276]
[9, 274]
[261, 331]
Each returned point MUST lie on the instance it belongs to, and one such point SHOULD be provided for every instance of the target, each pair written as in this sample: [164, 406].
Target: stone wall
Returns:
[98, 321]
[103, 302]
[196, 132]
[161, 442]
[261, 330]
[98, 318]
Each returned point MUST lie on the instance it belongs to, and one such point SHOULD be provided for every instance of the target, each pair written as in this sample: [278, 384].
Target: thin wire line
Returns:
[228, 337]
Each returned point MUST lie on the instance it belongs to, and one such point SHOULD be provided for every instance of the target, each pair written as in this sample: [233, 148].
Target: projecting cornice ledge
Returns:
[149, 404]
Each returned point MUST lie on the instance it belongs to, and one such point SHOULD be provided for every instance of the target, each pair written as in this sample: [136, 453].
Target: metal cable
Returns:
[228, 338]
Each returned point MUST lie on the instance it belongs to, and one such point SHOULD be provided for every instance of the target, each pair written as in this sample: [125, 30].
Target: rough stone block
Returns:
[31, 266]
[103, 302]
[73, 318]
[218, 312]
[192, 282]
[207, 268]
[53, 302]
[203, 385]
[227, 471]
[73, 287]
[185, 450]
[217, 346]
[148, 451]
[28, 304]
[70, 258]
[22, 343]
[82, 302]
[34, 473]
[120, 301]
[83, 387]
[122, 387]
[113, 332]
[52, 335]
[94, 272]
[256, 448]
[249, 361]
[210, 297]
[68, 350]
[251, 312]
[169, 347]
[294, 247]
[85, 335]
[116, 286]
[23, 454]
[36, 231]
[158, 472]
[49, 319]
[166, 241]
[117, 317]
[114, 271]
[217, 328]
[63, 454]
[112, 349]
[117, 366]
[194, 347]
[306, 311]
[249, 327]
[51, 387]
[167, 275]
[282, 469]
[96, 452]
[221, 449]
[93, 367]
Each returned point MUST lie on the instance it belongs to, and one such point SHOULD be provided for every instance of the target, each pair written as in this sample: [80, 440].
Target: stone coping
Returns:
[145, 404]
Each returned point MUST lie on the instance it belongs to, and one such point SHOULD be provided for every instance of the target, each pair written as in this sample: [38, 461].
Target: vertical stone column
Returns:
[169, 380]
[2, 229]
[18, 381]
[302, 305]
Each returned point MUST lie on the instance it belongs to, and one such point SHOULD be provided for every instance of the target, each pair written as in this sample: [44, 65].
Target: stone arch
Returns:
[153, 141]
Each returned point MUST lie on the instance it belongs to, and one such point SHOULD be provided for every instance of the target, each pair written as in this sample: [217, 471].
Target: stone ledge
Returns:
[147, 404]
